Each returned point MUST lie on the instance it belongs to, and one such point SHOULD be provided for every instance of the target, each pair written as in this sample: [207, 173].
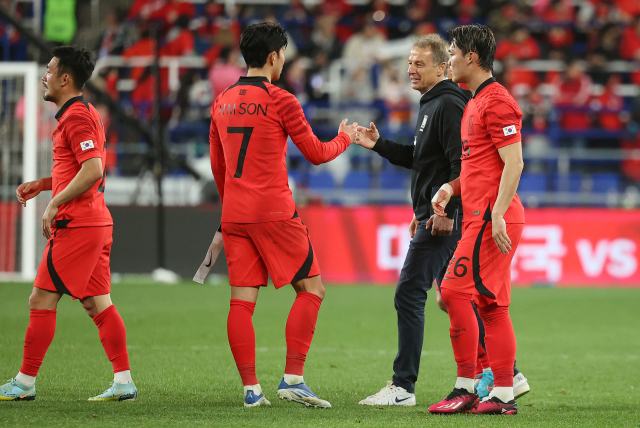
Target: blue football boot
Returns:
[300, 393]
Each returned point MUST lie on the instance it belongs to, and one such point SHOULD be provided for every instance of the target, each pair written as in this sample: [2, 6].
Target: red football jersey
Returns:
[250, 123]
[492, 119]
[79, 136]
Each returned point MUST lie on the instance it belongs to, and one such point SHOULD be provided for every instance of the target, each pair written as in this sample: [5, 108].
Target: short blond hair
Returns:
[438, 46]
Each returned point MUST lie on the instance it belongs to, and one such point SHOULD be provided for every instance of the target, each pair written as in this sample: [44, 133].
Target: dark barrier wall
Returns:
[188, 234]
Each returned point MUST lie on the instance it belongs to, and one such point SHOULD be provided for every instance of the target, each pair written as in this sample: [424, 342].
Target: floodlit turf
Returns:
[579, 348]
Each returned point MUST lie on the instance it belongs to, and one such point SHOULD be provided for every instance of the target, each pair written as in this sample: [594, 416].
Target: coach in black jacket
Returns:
[434, 160]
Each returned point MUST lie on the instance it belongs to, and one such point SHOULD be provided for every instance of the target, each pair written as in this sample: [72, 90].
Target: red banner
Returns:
[564, 247]
[9, 212]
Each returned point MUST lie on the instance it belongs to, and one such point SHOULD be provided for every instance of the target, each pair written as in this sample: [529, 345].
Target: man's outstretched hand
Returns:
[350, 130]
[367, 137]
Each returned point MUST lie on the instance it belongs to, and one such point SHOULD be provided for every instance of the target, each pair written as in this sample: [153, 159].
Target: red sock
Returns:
[42, 327]
[483, 358]
[113, 336]
[301, 325]
[500, 341]
[463, 331]
[242, 339]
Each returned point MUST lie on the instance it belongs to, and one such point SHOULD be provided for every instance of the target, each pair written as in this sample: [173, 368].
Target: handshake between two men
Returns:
[402, 155]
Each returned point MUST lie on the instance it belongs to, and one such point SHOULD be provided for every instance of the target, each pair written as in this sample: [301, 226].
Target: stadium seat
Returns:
[570, 190]
[394, 180]
[571, 182]
[321, 180]
[531, 188]
[296, 176]
[532, 182]
[605, 182]
[357, 180]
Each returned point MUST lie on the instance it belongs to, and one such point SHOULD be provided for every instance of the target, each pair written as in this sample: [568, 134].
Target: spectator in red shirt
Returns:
[172, 10]
[518, 79]
[180, 40]
[572, 92]
[556, 11]
[628, 9]
[143, 9]
[520, 44]
[630, 43]
[143, 94]
[611, 104]
[631, 164]
[215, 20]
[335, 8]
[559, 37]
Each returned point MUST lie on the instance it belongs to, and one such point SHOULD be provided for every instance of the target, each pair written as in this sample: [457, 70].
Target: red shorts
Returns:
[281, 249]
[76, 262]
[477, 266]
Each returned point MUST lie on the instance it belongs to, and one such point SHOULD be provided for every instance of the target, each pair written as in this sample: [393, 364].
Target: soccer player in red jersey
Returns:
[493, 217]
[78, 227]
[261, 230]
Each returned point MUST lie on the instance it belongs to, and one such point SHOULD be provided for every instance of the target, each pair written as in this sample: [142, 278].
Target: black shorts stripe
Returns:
[55, 278]
[304, 270]
[475, 262]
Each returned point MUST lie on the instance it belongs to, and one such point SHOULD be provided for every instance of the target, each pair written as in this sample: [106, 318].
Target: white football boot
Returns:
[390, 395]
[520, 386]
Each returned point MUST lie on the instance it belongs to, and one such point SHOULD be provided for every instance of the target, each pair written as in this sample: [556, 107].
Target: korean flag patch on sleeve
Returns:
[509, 130]
[89, 145]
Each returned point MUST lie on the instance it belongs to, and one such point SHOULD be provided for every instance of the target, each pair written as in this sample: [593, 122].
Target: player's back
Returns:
[249, 119]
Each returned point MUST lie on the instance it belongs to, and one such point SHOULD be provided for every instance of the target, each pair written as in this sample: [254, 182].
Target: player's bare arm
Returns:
[90, 172]
[367, 137]
[31, 189]
[511, 155]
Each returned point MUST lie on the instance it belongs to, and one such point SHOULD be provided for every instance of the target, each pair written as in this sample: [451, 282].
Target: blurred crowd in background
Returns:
[573, 66]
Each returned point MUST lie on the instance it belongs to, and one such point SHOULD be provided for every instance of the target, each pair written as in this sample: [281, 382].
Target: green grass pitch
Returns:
[579, 348]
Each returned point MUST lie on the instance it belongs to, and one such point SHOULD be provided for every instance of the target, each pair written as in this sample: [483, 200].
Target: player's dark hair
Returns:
[475, 38]
[259, 40]
[78, 62]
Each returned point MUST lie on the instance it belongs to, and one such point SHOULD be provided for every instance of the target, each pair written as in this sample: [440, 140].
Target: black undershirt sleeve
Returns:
[397, 154]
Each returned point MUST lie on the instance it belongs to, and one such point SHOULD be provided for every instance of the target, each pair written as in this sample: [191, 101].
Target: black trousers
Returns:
[426, 261]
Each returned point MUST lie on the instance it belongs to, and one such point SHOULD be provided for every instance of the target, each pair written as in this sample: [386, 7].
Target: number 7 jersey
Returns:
[250, 123]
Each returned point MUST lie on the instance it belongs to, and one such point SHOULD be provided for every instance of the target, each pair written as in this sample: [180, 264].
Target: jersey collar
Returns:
[68, 104]
[246, 79]
[484, 84]
[258, 81]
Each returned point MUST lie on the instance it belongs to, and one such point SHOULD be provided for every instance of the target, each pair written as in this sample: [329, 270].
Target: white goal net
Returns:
[26, 125]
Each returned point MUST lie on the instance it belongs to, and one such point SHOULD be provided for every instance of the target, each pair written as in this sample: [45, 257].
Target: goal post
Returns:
[19, 163]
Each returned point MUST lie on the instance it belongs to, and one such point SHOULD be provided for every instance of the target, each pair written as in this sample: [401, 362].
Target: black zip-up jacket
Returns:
[435, 157]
